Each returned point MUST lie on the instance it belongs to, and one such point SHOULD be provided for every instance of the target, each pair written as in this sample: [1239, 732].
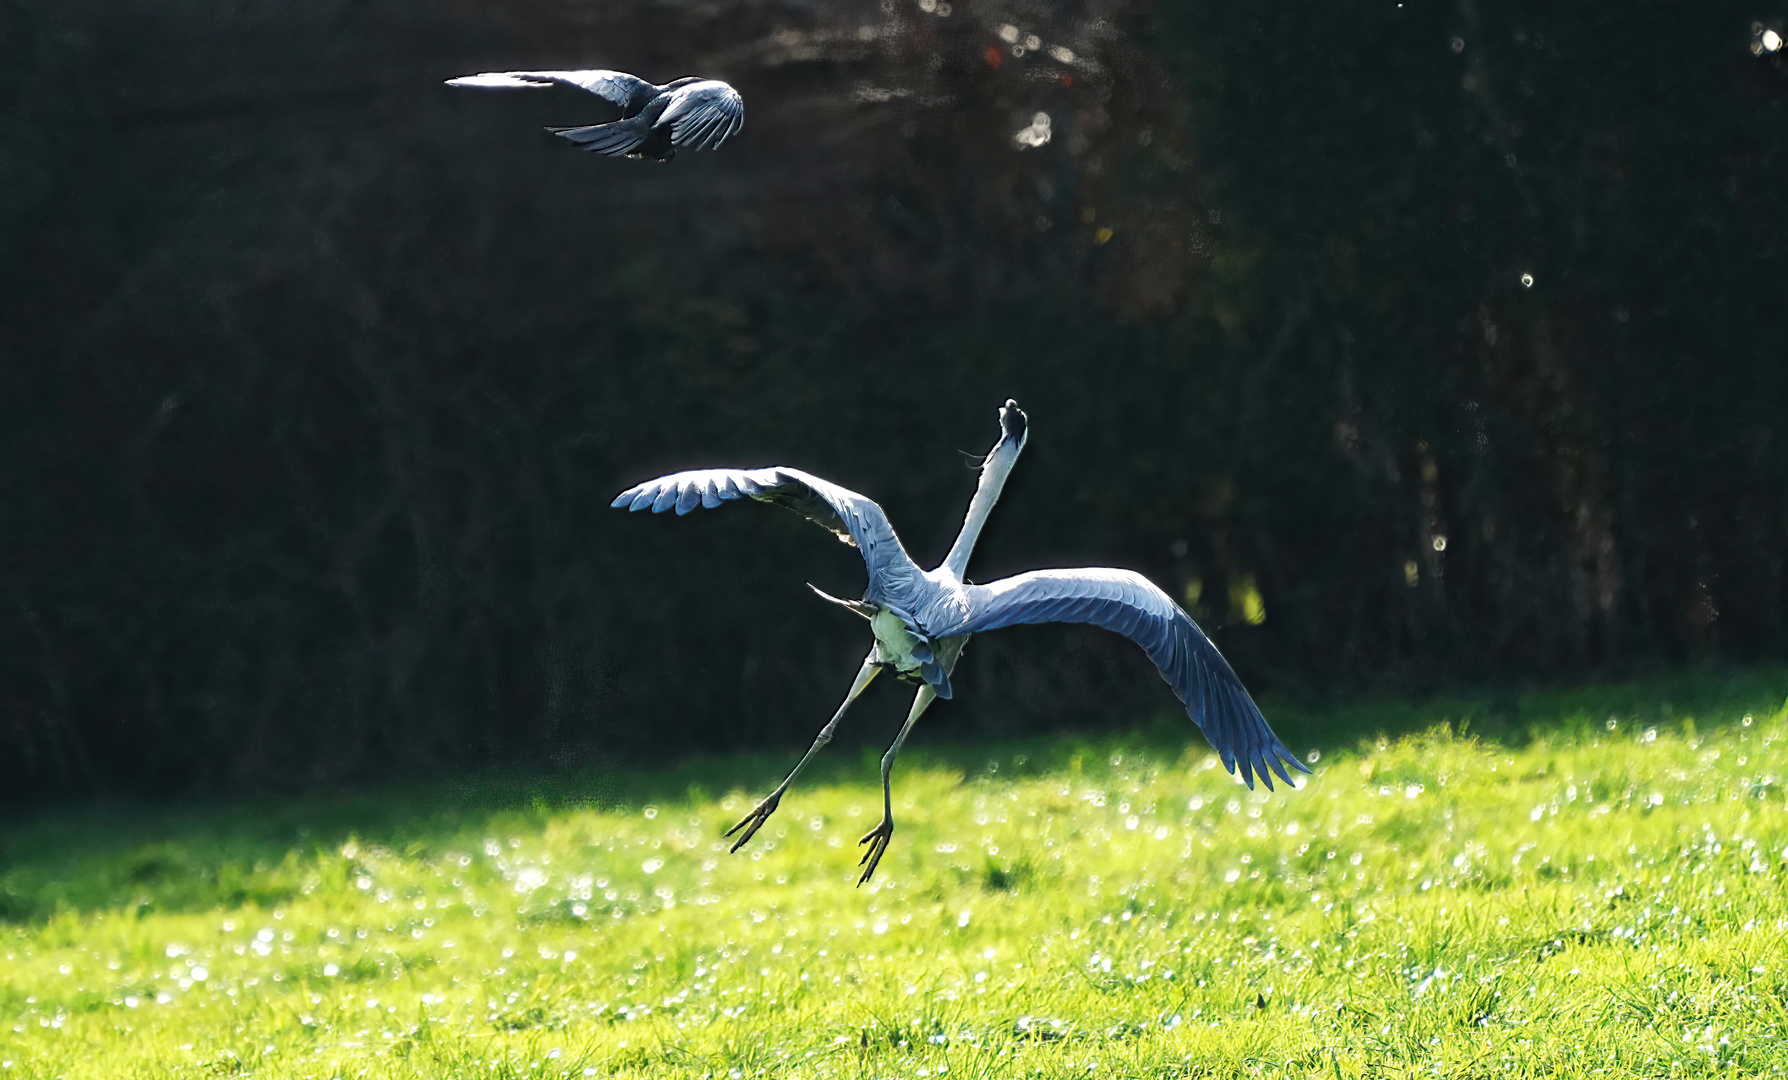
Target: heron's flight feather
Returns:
[1129, 604]
[851, 517]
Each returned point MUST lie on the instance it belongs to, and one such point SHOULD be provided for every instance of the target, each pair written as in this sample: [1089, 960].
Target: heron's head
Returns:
[1014, 426]
[684, 81]
[995, 467]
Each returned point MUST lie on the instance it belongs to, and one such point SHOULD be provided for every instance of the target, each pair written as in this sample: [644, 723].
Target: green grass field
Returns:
[1598, 890]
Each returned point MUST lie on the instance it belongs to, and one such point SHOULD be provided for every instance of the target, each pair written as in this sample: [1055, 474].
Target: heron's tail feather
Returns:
[937, 677]
[618, 139]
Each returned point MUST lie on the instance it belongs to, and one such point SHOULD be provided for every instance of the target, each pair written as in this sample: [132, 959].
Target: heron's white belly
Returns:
[894, 641]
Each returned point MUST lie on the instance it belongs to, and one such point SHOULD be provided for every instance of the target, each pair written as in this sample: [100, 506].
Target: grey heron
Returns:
[654, 120]
[921, 619]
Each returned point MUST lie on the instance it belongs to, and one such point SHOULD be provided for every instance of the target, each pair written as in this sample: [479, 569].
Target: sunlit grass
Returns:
[1604, 897]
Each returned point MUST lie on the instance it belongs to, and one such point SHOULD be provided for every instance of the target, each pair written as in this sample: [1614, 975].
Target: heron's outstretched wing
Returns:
[1130, 604]
[703, 115]
[616, 87]
[853, 518]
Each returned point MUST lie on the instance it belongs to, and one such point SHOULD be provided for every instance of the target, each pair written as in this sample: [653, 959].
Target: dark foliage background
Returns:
[316, 377]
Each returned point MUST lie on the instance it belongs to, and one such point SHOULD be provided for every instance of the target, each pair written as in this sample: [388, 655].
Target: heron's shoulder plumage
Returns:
[1130, 604]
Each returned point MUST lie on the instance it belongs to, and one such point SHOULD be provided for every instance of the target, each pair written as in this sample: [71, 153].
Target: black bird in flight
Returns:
[654, 120]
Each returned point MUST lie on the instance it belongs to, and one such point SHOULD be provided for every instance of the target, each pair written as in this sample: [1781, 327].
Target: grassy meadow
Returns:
[1594, 889]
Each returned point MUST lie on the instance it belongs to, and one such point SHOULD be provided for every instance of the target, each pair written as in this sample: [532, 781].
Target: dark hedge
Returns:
[316, 377]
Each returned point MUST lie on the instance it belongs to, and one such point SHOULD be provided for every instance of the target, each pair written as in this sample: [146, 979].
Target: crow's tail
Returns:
[618, 139]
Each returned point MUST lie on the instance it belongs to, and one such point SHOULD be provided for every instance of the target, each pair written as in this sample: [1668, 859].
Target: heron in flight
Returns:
[921, 619]
[654, 120]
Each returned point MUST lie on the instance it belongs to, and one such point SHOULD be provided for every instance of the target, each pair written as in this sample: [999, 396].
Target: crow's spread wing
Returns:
[703, 115]
[616, 87]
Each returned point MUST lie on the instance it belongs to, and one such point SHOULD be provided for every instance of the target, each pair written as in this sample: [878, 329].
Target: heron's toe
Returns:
[877, 839]
[755, 820]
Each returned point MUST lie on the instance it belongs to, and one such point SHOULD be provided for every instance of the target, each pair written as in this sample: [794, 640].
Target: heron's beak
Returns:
[863, 608]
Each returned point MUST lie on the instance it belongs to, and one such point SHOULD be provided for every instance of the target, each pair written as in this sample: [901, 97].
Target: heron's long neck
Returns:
[993, 478]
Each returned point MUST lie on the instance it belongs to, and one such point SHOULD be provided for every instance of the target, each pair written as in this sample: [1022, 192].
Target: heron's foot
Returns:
[755, 819]
[877, 839]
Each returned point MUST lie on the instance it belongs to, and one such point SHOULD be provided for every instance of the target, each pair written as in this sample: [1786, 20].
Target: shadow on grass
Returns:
[258, 851]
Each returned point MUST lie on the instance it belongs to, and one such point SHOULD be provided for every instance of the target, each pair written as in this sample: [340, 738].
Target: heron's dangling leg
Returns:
[757, 817]
[949, 649]
[878, 837]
